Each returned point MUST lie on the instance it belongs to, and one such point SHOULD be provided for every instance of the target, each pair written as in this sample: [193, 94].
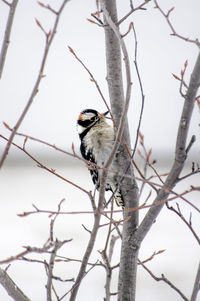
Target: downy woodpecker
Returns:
[97, 139]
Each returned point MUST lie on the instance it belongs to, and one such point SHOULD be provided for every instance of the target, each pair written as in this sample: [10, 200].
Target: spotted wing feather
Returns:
[87, 155]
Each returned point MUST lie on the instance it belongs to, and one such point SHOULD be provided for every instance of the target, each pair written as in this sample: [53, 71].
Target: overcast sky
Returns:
[64, 91]
[66, 88]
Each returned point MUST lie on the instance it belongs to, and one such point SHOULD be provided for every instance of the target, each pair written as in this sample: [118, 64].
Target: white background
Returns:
[63, 93]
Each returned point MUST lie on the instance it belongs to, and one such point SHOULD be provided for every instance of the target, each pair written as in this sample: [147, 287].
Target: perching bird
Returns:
[97, 139]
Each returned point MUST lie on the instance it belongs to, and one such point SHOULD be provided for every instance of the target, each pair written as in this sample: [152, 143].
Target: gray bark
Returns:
[132, 237]
[6, 39]
[12, 289]
[180, 155]
[128, 260]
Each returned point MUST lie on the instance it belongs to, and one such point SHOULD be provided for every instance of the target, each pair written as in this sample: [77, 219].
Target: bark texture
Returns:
[128, 260]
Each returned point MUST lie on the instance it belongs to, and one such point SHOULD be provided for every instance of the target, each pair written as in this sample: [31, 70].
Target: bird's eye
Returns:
[93, 118]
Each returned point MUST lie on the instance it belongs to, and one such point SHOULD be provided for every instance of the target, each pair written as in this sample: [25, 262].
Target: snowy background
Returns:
[63, 93]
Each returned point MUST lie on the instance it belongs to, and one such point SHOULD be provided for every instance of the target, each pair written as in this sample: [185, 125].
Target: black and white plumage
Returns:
[97, 139]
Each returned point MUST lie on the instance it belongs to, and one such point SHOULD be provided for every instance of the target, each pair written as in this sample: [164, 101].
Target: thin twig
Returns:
[57, 245]
[179, 213]
[49, 39]
[141, 90]
[92, 78]
[152, 184]
[192, 140]
[86, 272]
[174, 33]
[6, 2]
[52, 171]
[180, 155]
[28, 250]
[163, 278]
[141, 6]
[105, 212]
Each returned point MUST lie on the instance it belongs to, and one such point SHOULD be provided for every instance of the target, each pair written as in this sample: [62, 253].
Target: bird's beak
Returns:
[102, 115]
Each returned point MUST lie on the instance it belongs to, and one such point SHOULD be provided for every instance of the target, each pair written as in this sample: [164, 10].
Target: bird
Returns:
[97, 139]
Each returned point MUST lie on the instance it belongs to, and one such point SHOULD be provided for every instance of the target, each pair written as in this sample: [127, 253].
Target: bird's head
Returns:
[87, 119]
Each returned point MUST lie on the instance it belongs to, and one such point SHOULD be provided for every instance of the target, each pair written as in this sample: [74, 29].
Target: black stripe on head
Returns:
[86, 120]
[90, 111]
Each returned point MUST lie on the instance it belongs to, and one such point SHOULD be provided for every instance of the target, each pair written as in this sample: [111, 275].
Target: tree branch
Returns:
[179, 213]
[6, 40]
[163, 278]
[57, 245]
[10, 286]
[196, 287]
[51, 170]
[180, 154]
[119, 106]
[174, 33]
[49, 38]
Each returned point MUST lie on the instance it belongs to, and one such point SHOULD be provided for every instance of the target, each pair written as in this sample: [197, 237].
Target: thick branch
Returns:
[180, 154]
[196, 287]
[6, 39]
[114, 45]
[12, 289]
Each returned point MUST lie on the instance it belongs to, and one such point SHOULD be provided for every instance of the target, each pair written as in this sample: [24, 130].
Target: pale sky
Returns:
[66, 89]
[63, 93]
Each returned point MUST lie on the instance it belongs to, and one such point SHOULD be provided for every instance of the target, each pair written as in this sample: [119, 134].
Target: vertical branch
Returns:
[82, 271]
[57, 245]
[196, 287]
[49, 38]
[109, 271]
[114, 45]
[6, 39]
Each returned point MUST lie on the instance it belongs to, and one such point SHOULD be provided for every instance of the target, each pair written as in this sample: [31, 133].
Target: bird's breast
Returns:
[100, 142]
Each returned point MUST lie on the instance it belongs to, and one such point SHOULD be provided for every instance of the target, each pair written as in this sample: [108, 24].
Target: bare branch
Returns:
[163, 278]
[196, 287]
[28, 250]
[192, 140]
[6, 2]
[6, 40]
[141, 6]
[10, 286]
[57, 245]
[107, 264]
[52, 171]
[141, 90]
[49, 40]
[92, 78]
[82, 271]
[119, 104]
[97, 215]
[152, 256]
[174, 33]
[180, 154]
[178, 212]
[72, 289]
[48, 7]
